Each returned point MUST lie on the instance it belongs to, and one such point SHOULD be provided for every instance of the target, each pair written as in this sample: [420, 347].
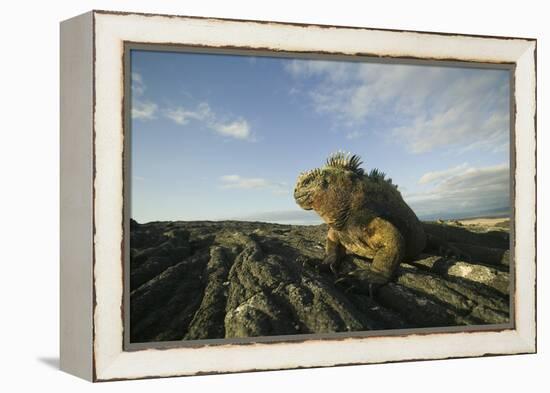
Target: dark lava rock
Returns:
[207, 280]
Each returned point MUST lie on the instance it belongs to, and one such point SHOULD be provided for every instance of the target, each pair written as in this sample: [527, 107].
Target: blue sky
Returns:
[224, 137]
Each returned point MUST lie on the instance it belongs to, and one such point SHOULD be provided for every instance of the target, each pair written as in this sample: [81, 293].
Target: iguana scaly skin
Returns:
[366, 215]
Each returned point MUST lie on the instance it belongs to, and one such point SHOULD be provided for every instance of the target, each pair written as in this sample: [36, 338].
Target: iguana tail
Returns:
[437, 241]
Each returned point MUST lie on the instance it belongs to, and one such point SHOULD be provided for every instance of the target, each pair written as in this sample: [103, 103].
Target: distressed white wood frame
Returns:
[110, 32]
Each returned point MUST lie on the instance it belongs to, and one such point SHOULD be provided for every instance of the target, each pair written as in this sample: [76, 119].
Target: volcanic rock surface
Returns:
[206, 280]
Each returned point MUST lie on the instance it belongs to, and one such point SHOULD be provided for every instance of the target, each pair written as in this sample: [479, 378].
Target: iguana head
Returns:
[326, 189]
[340, 186]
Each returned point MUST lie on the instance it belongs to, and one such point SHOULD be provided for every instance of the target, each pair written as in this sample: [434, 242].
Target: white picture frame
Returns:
[92, 194]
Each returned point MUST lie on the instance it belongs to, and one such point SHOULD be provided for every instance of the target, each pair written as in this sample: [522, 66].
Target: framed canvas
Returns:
[245, 195]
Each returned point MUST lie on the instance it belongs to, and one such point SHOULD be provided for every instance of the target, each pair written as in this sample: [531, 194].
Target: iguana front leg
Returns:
[386, 239]
[388, 245]
[334, 251]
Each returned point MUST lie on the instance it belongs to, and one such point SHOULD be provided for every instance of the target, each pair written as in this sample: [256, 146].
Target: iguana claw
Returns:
[368, 279]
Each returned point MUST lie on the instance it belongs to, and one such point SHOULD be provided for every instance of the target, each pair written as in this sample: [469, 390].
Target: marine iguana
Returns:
[366, 216]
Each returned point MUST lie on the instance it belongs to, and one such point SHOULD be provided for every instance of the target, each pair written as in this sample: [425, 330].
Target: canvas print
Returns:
[289, 197]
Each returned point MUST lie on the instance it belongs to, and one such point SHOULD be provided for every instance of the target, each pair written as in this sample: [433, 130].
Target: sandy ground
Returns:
[489, 222]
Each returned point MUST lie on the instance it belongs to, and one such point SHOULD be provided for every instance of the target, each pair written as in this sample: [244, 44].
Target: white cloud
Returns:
[141, 109]
[144, 110]
[462, 189]
[430, 177]
[425, 107]
[237, 129]
[248, 183]
[182, 116]
[138, 87]
[236, 181]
